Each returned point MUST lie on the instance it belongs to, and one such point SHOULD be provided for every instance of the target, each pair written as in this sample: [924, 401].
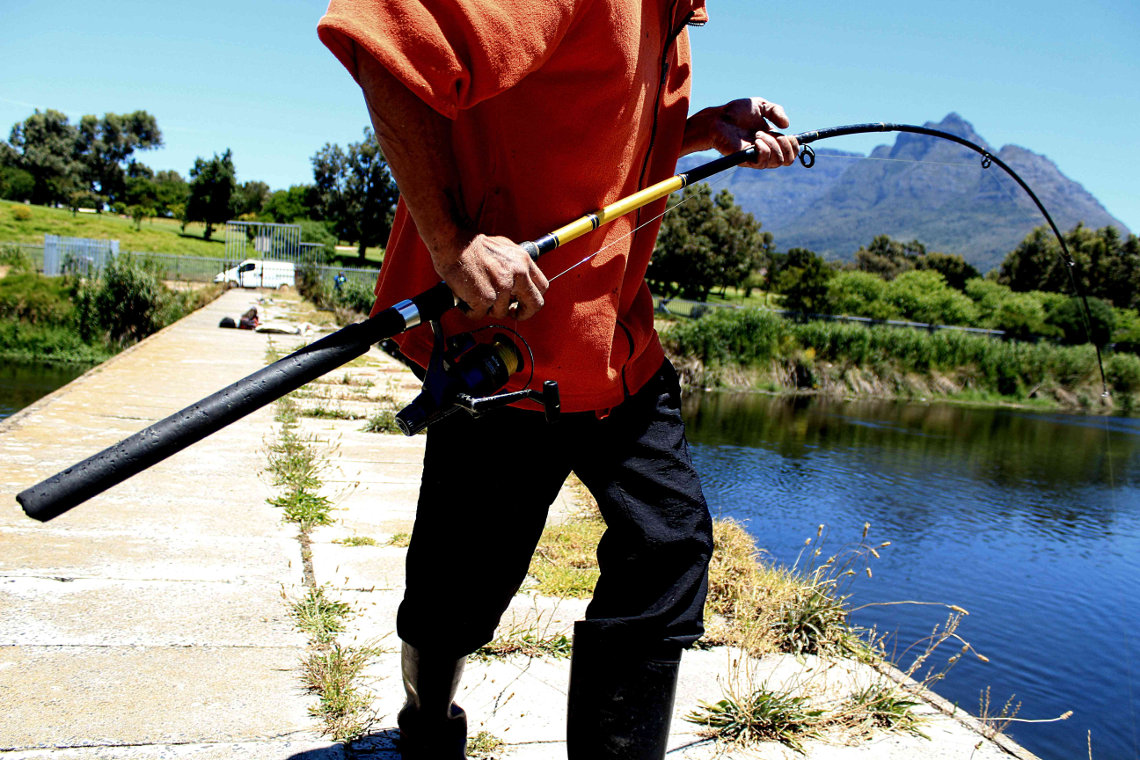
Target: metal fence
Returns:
[81, 256]
[266, 240]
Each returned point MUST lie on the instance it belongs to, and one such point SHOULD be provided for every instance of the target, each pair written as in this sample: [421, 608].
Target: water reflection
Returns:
[1031, 521]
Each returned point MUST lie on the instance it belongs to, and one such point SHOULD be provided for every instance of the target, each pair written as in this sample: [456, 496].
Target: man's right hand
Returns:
[494, 277]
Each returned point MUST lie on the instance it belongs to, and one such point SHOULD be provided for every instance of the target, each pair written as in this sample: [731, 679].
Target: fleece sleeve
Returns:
[452, 53]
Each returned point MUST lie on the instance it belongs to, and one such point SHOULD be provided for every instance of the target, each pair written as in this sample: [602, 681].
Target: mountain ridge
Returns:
[917, 188]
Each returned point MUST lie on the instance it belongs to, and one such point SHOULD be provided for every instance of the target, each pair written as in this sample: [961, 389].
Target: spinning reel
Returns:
[465, 374]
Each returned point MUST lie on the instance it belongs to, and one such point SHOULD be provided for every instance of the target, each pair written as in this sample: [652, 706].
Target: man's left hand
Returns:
[740, 124]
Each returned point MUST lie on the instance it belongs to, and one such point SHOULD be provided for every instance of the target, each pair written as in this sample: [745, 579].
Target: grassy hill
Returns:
[155, 235]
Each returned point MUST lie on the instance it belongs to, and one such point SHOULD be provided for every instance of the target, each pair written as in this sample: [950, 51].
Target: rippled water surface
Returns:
[1030, 521]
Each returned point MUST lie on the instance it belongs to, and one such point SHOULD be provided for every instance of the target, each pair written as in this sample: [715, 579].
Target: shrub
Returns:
[21, 213]
[859, 294]
[924, 296]
[35, 299]
[311, 285]
[126, 304]
[1123, 373]
[1069, 317]
[317, 232]
[357, 295]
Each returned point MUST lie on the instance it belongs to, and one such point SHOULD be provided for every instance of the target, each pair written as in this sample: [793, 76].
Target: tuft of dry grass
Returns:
[565, 563]
[332, 673]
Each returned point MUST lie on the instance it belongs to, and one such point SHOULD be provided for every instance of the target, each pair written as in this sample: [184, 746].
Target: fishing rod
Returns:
[70, 487]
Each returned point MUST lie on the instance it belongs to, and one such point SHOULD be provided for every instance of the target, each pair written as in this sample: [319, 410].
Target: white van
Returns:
[254, 273]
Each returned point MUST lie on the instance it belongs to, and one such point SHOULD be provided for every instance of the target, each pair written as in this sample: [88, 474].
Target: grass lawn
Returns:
[735, 297]
[155, 236]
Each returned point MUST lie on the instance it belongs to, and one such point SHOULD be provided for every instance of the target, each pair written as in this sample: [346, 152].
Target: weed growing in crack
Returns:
[383, 421]
[529, 643]
[760, 716]
[305, 508]
[357, 541]
[332, 673]
[319, 616]
[484, 746]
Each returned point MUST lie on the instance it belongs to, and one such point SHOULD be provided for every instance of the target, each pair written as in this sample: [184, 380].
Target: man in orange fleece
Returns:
[502, 120]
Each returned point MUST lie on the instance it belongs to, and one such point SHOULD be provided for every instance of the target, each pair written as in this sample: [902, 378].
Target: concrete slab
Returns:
[30, 552]
[294, 747]
[42, 612]
[94, 696]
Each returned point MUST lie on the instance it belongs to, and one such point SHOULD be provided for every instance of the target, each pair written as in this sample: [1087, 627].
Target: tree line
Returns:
[707, 243]
[49, 161]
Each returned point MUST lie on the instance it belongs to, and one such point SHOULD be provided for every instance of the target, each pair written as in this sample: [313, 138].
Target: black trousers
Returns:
[487, 486]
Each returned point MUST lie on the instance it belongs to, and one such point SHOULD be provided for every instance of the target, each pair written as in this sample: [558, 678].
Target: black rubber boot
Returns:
[621, 701]
[432, 726]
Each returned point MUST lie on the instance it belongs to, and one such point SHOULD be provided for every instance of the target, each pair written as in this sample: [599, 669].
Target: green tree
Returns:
[15, 183]
[212, 187]
[356, 190]
[1020, 315]
[139, 187]
[953, 268]
[888, 258]
[1069, 318]
[250, 198]
[171, 193]
[1107, 265]
[859, 294]
[44, 146]
[298, 202]
[803, 280]
[104, 147]
[923, 296]
[706, 242]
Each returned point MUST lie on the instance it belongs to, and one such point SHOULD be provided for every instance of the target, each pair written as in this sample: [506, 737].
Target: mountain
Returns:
[921, 188]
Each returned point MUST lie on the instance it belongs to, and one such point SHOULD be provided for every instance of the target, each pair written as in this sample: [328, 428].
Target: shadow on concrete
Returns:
[378, 745]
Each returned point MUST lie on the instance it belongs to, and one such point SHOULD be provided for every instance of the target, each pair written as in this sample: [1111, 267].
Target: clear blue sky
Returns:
[1060, 78]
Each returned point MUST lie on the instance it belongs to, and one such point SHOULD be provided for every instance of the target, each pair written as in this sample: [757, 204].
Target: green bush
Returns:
[1069, 318]
[750, 337]
[126, 304]
[923, 296]
[37, 300]
[311, 285]
[318, 232]
[357, 295]
[859, 294]
[1123, 373]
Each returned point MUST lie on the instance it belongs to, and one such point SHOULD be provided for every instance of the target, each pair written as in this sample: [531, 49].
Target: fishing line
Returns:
[898, 160]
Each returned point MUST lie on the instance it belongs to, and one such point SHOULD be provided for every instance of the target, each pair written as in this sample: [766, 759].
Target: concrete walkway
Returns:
[153, 621]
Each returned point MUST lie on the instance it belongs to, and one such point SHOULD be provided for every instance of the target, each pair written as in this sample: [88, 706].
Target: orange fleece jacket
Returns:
[559, 107]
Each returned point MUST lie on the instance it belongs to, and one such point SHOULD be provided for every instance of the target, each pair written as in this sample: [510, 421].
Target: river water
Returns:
[1030, 521]
[22, 383]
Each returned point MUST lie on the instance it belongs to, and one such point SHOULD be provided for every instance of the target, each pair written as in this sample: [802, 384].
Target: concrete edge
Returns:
[953, 711]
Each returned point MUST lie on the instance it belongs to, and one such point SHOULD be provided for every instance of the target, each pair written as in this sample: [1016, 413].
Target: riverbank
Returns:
[74, 320]
[751, 349]
[171, 598]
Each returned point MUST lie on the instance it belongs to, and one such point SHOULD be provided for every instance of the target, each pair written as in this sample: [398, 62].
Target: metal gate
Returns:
[264, 240]
[81, 256]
